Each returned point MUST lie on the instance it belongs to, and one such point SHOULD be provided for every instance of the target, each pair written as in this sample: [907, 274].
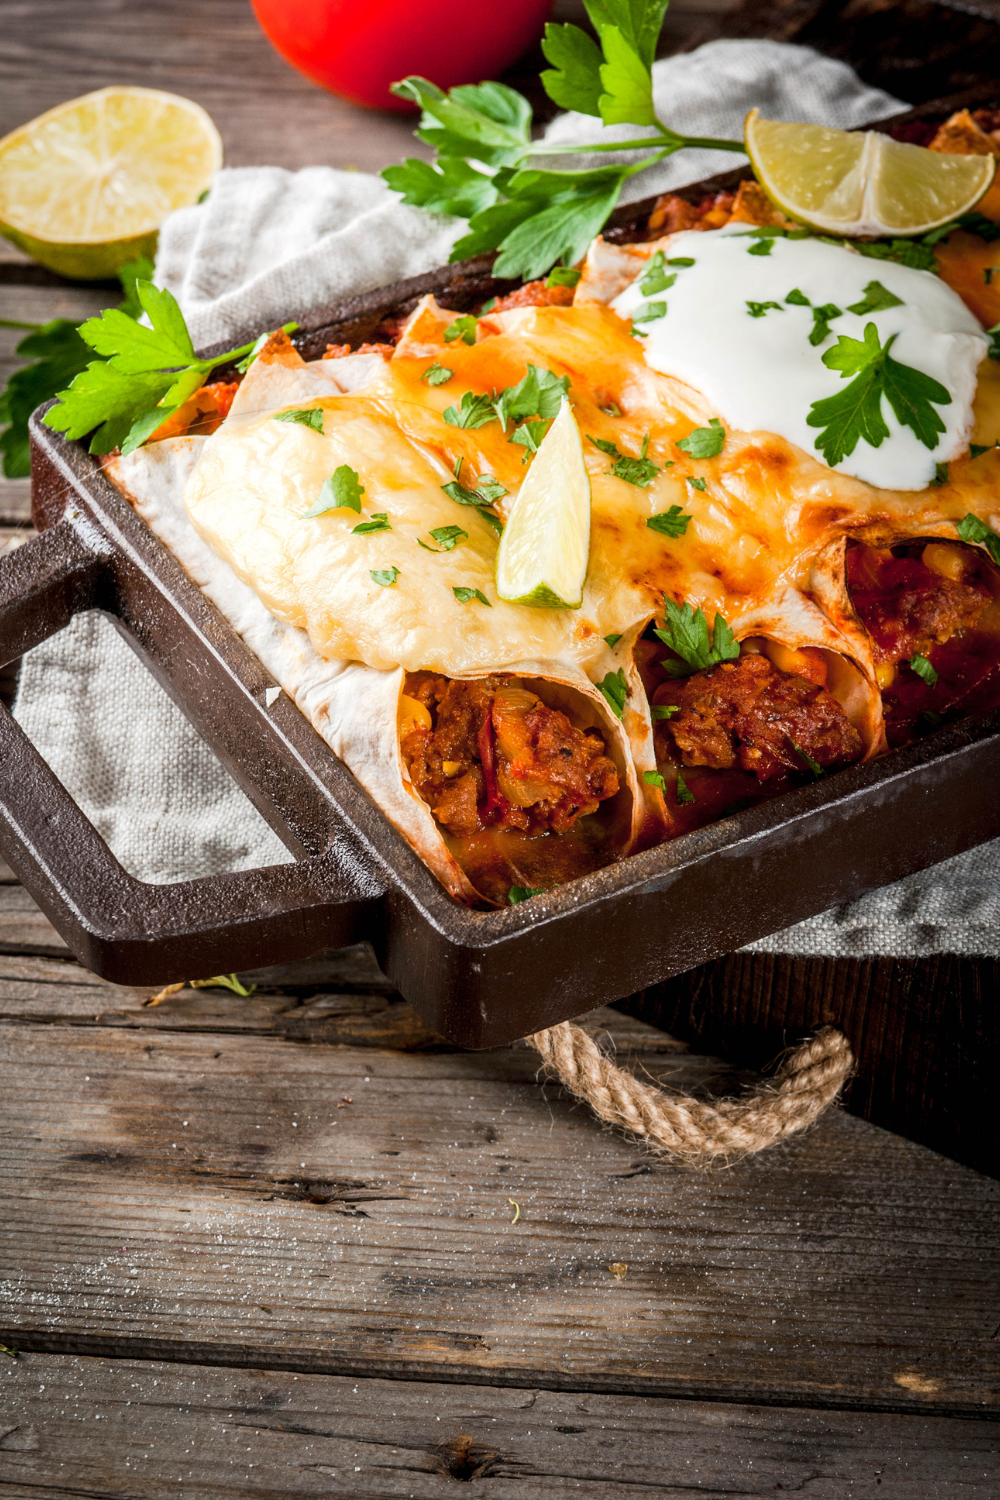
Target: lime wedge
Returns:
[861, 182]
[85, 187]
[542, 557]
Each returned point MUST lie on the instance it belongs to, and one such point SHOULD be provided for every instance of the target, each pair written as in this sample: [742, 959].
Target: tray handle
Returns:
[120, 927]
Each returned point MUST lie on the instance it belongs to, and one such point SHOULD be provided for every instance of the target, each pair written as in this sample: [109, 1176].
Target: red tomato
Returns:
[357, 49]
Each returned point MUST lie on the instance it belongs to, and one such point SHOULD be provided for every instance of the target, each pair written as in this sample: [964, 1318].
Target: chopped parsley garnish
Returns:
[681, 260]
[696, 484]
[447, 538]
[930, 718]
[759, 247]
[615, 690]
[311, 417]
[653, 778]
[758, 309]
[472, 411]
[797, 298]
[612, 409]
[856, 412]
[343, 490]
[977, 449]
[462, 328]
[705, 442]
[664, 710]
[639, 471]
[562, 276]
[378, 522]
[940, 474]
[612, 640]
[656, 278]
[464, 595]
[493, 521]
[971, 529]
[685, 631]
[649, 312]
[487, 490]
[538, 394]
[436, 374]
[923, 669]
[684, 793]
[876, 299]
[672, 522]
[821, 322]
[519, 893]
[529, 435]
[813, 765]
[462, 496]
[491, 489]
[385, 576]
[994, 347]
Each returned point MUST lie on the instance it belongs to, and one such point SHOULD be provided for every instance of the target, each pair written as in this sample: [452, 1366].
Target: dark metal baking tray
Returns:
[480, 978]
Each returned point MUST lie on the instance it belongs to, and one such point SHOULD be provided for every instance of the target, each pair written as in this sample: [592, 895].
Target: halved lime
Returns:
[853, 182]
[542, 557]
[85, 187]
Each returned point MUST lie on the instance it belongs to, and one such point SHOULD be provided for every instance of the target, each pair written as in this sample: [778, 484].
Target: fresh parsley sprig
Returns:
[856, 411]
[685, 631]
[483, 170]
[142, 374]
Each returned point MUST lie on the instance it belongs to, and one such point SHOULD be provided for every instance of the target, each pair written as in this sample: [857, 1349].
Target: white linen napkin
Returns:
[267, 244]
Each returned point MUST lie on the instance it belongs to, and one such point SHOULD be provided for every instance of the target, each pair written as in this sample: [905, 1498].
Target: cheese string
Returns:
[687, 1129]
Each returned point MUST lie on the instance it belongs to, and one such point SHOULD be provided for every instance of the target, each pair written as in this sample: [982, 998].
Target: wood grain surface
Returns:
[99, 1427]
[311, 1181]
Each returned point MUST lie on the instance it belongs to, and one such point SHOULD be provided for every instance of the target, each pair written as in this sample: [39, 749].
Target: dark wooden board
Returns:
[126, 1427]
[180, 1183]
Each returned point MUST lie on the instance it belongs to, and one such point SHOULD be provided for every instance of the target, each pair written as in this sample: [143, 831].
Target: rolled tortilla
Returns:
[353, 707]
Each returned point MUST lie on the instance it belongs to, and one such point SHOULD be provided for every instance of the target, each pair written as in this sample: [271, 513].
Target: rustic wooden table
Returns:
[268, 1247]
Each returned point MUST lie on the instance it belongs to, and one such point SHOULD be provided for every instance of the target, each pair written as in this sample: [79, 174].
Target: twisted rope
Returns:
[684, 1128]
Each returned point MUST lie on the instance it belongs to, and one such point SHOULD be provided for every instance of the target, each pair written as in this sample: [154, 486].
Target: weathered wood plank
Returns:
[203, 1197]
[126, 1427]
[23, 928]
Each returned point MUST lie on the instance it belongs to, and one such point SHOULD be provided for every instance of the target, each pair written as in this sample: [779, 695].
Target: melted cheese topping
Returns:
[761, 373]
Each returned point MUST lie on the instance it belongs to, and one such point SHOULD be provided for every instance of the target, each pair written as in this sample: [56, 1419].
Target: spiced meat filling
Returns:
[491, 754]
[750, 716]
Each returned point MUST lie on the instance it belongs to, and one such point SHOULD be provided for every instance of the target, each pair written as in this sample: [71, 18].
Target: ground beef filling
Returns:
[908, 607]
[494, 756]
[747, 715]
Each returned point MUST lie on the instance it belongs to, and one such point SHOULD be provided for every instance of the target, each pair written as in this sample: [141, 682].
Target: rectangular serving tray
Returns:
[480, 978]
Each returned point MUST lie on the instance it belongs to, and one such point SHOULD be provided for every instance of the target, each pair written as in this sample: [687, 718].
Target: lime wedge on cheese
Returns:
[542, 558]
[85, 187]
[854, 182]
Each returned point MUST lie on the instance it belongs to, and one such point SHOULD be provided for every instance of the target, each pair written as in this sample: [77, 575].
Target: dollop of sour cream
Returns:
[762, 374]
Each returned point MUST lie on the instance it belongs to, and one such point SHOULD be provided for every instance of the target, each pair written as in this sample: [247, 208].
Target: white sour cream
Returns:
[762, 374]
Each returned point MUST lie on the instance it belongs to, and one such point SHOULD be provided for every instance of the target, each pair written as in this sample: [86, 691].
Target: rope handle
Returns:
[687, 1129]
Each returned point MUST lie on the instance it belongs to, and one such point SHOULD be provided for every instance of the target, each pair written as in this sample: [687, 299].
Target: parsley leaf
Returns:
[450, 186]
[307, 416]
[664, 711]
[519, 893]
[562, 276]
[685, 631]
[696, 484]
[490, 489]
[856, 412]
[384, 576]
[649, 312]
[378, 522]
[759, 247]
[672, 522]
[538, 394]
[655, 278]
[614, 689]
[58, 354]
[109, 401]
[813, 765]
[472, 411]
[436, 374]
[343, 490]
[447, 537]
[638, 471]
[876, 299]
[758, 309]
[684, 793]
[486, 122]
[653, 778]
[705, 442]
[821, 322]
[940, 474]
[463, 328]
[464, 595]
[797, 298]
[972, 529]
[612, 640]
[923, 669]
[530, 435]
